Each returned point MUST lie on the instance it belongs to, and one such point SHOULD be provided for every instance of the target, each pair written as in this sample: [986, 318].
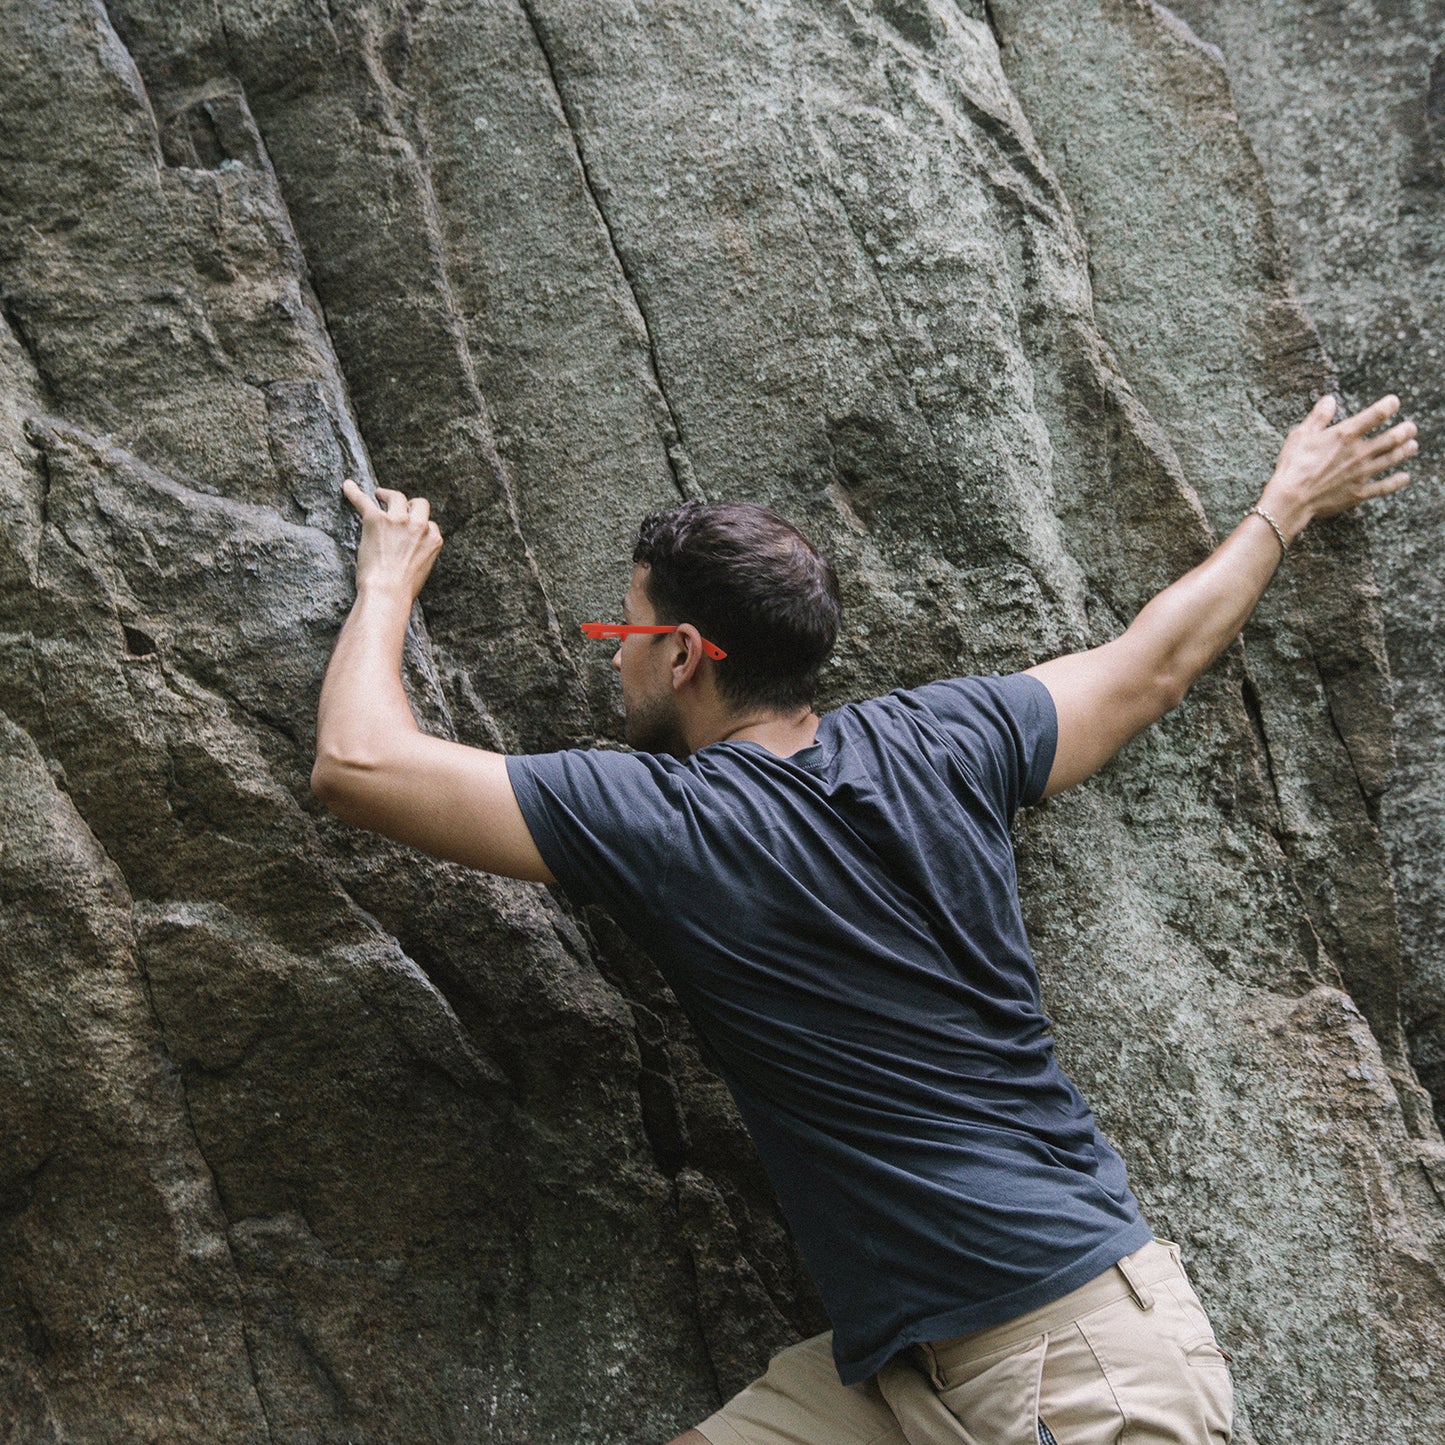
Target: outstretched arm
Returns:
[1108, 694]
[374, 766]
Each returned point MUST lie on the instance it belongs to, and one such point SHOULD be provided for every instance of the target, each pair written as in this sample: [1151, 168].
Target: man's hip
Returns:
[1130, 1353]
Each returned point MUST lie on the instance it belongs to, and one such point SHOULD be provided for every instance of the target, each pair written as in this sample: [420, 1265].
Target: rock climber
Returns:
[833, 900]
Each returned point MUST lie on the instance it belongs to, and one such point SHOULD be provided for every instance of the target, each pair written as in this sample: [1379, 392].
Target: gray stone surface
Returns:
[1345, 106]
[312, 1138]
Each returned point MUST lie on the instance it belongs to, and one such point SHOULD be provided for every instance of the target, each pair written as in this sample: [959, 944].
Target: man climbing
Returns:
[833, 900]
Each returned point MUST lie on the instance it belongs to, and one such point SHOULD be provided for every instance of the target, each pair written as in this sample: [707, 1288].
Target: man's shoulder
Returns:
[991, 697]
[1000, 728]
[614, 765]
[964, 692]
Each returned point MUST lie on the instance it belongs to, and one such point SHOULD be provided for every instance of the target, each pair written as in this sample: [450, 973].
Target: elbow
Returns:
[1170, 673]
[323, 780]
[1171, 687]
[1171, 690]
[338, 783]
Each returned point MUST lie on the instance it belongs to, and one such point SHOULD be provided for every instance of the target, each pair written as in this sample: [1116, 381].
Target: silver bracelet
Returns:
[1260, 512]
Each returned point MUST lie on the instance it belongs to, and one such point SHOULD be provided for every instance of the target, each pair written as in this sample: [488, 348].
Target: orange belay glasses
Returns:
[621, 629]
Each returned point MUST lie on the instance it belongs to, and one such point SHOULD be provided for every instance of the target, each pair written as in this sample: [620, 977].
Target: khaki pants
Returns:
[1128, 1357]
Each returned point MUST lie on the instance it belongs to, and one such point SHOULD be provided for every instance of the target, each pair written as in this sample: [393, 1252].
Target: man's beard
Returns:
[653, 726]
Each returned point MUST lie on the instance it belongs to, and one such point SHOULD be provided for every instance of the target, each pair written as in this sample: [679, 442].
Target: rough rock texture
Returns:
[311, 1138]
[1345, 105]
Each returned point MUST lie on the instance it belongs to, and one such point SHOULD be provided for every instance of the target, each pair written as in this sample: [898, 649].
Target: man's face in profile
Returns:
[652, 723]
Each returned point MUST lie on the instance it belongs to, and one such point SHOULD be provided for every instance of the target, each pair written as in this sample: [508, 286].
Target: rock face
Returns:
[1346, 109]
[308, 1137]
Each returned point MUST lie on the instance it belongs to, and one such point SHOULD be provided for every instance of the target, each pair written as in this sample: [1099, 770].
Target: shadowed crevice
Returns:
[25, 339]
[142, 92]
[1249, 695]
[1371, 804]
[994, 28]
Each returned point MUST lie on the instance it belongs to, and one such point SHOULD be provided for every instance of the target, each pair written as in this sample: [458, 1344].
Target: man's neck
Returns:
[781, 733]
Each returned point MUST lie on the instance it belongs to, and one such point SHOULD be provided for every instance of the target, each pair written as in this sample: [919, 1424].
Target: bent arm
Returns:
[374, 767]
[1108, 694]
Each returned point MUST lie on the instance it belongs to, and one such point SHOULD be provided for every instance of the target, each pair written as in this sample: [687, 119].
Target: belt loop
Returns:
[930, 1363]
[1141, 1291]
[1039, 1388]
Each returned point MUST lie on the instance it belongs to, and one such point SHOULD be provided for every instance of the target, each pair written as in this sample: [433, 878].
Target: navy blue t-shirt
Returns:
[843, 929]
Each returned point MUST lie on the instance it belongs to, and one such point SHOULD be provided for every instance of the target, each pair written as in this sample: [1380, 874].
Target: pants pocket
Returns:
[992, 1400]
[1201, 1348]
[1167, 1372]
[995, 1397]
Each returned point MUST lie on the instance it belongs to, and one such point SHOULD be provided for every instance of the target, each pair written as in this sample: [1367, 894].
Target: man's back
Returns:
[843, 927]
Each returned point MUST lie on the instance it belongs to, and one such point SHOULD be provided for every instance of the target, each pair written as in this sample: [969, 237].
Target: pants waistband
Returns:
[1156, 1261]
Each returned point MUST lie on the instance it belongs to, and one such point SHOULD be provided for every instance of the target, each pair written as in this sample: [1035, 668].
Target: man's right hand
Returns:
[399, 541]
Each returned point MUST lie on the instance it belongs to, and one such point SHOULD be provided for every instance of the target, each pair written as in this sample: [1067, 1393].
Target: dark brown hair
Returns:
[749, 581]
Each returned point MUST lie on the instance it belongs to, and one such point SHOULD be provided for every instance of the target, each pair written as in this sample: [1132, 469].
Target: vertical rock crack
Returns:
[993, 26]
[676, 446]
[434, 232]
[1371, 805]
[1249, 693]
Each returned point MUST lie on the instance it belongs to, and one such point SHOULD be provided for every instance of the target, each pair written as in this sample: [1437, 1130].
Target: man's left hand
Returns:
[1325, 469]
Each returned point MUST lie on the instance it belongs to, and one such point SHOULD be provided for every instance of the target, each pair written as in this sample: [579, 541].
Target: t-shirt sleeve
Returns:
[1005, 728]
[604, 822]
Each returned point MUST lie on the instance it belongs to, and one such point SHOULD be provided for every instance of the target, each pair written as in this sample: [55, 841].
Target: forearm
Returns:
[363, 705]
[1322, 471]
[1186, 627]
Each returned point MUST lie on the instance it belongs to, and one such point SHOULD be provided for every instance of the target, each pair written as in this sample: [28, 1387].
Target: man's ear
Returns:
[687, 655]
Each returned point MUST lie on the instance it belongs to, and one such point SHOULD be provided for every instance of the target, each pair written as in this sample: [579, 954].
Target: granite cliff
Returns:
[307, 1137]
